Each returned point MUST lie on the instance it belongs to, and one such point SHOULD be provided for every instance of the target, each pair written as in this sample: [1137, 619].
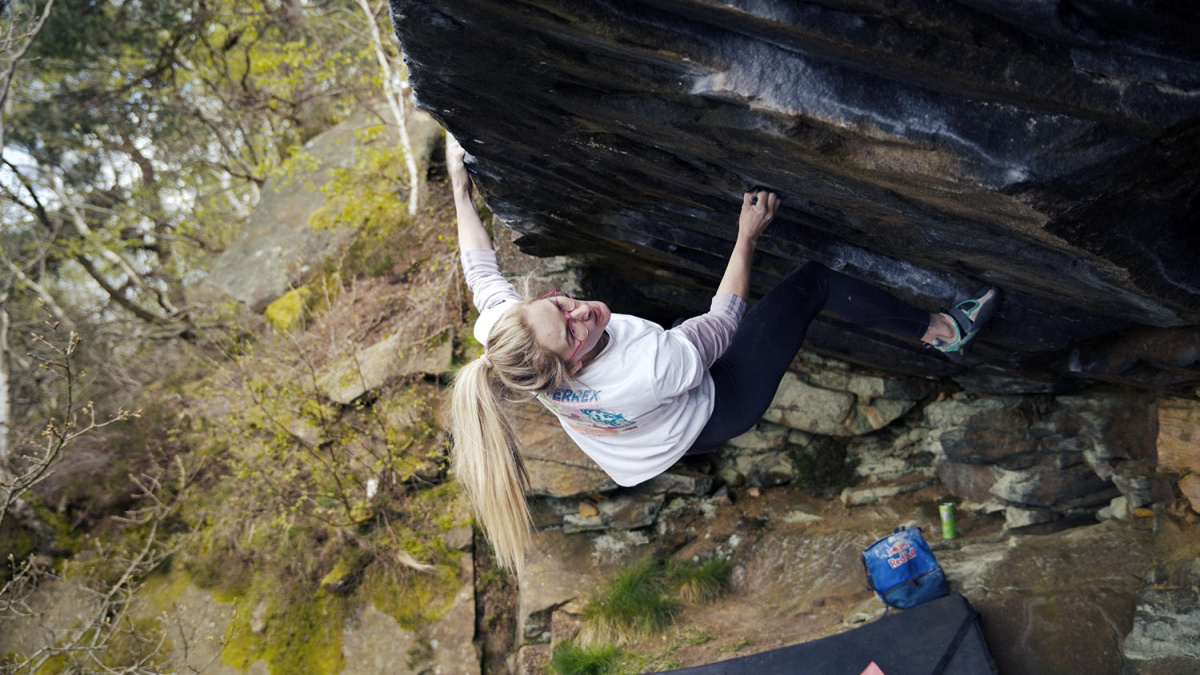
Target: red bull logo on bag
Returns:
[902, 570]
[900, 553]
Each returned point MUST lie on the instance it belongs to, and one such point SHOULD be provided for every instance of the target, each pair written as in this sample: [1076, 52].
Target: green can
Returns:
[949, 527]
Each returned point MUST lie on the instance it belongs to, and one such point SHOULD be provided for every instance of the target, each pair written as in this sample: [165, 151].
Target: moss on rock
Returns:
[297, 637]
[287, 312]
[421, 598]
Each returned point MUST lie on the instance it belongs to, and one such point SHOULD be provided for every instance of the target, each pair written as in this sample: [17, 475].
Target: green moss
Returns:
[163, 589]
[55, 665]
[383, 232]
[288, 311]
[17, 546]
[301, 637]
[420, 657]
[735, 647]
[420, 598]
[339, 572]
[66, 538]
[137, 641]
[448, 521]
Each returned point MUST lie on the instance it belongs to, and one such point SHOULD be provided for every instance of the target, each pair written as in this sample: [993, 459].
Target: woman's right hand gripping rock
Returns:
[456, 165]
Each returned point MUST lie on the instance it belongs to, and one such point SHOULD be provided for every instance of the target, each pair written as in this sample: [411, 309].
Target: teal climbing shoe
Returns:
[968, 317]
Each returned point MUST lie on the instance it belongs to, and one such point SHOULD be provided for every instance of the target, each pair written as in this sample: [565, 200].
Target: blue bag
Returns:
[902, 570]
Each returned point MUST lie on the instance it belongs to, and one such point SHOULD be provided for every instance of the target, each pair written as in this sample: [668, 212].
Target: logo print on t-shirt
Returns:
[614, 420]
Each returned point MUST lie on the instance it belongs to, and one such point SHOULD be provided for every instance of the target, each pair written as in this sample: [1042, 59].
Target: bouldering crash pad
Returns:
[937, 638]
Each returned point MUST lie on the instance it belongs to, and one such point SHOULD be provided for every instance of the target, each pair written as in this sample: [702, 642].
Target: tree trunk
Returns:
[395, 100]
[5, 392]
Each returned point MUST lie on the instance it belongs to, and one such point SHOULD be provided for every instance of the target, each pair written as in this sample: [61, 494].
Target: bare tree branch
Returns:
[10, 70]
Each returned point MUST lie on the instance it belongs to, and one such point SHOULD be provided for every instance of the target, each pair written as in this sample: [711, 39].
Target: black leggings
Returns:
[748, 373]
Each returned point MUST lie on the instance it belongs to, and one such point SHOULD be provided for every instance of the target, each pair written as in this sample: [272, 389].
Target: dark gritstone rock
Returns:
[931, 147]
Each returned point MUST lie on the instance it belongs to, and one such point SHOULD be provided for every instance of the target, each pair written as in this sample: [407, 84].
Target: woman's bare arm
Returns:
[471, 232]
[758, 208]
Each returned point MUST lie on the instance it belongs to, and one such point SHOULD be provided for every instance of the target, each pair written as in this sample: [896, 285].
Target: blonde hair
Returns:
[486, 458]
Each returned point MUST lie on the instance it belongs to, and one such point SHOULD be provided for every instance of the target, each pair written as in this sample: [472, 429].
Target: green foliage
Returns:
[67, 539]
[158, 124]
[635, 603]
[571, 659]
[466, 347]
[309, 540]
[645, 597]
[137, 640]
[368, 195]
[699, 584]
[164, 587]
[154, 126]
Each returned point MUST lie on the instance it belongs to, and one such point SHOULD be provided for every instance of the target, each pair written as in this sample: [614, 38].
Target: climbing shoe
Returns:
[968, 317]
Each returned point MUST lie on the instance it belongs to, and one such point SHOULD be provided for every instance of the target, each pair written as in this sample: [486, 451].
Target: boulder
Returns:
[1068, 455]
[1059, 603]
[909, 152]
[1054, 486]
[279, 251]
[1179, 435]
[1189, 485]
[892, 454]
[972, 482]
[829, 401]
[1165, 638]
[1010, 432]
[626, 510]
[375, 644]
[680, 481]
[382, 363]
[841, 376]
[800, 405]
[757, 457]
[561, 568]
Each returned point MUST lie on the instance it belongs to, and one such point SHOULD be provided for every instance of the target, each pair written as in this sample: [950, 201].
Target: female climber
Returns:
[633, 396]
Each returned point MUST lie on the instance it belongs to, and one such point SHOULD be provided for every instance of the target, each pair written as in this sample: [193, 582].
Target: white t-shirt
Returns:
[639, 405]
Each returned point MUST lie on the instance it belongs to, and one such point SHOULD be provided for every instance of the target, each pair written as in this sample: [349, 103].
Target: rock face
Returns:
[1054, 604]
[279, 250]
[1047, 459]
[1050, 148]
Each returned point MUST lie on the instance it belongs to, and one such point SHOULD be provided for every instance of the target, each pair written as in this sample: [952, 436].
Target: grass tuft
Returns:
[633, 604]
[572, 659]
[644, 598]
[699, 584]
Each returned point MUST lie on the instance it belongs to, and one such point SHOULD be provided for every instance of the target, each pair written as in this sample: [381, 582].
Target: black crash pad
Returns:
[941, 637]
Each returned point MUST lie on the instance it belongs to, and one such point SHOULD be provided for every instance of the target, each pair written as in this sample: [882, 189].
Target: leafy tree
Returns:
[136, 137]
[134, 140]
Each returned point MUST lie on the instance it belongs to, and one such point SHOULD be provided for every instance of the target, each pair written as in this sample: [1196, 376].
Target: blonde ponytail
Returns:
[486, 458]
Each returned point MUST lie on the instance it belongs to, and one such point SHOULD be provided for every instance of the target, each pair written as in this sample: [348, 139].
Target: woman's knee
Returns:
[814, 269]
[812, 276]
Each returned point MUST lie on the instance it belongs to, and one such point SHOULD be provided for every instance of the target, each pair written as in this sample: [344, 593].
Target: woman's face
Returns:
[552, 327]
